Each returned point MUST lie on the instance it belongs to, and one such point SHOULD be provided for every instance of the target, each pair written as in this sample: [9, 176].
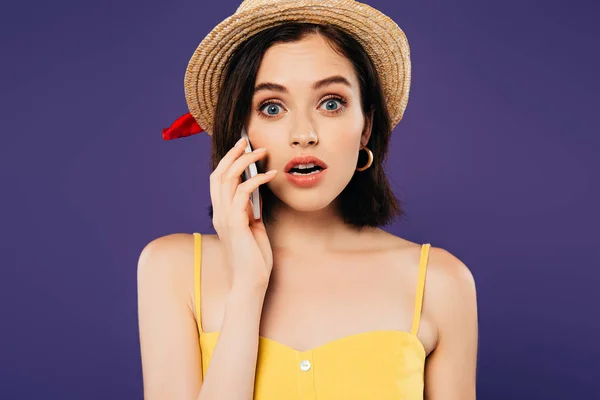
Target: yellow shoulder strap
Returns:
[420, 288]
[197, 275]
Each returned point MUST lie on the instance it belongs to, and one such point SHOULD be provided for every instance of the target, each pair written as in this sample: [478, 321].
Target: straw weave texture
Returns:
[381, 37]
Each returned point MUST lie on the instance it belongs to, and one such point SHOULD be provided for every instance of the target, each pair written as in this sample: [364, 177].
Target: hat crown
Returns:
[248, 4]
[381, 38]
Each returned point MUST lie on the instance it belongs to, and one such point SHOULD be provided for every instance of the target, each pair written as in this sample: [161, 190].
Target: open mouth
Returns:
[305, 169]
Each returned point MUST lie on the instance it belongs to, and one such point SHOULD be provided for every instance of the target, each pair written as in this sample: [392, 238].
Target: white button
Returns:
[305, 365]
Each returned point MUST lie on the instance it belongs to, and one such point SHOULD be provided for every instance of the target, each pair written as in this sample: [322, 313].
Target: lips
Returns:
[305, 159]
[309, 179]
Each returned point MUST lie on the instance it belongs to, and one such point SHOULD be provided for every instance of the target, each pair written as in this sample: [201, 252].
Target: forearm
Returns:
[233, 364]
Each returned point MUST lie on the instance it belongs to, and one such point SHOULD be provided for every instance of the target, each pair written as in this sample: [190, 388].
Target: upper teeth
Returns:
[304, 166]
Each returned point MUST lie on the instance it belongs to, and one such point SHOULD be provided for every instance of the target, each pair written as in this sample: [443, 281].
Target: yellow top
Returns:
[382, 365]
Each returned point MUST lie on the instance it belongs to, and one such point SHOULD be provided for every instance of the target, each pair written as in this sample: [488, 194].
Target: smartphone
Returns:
[250, 172]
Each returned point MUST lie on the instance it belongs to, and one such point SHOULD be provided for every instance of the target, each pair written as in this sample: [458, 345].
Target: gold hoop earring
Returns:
[370, 162]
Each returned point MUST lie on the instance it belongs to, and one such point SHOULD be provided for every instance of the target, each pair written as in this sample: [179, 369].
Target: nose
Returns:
[303, 133]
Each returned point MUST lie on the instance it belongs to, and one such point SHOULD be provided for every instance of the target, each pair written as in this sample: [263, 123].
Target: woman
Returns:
[313, 300]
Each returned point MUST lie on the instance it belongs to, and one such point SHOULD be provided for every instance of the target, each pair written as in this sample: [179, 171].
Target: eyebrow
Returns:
[317, 85]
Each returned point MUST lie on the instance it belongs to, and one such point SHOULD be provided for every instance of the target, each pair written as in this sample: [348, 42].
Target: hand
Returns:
[245, 240]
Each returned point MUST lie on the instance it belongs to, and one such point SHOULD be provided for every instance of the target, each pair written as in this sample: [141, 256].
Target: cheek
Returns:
[261, 134]
[265, 135]
[349, 125]
[342, 158]
[344, 136]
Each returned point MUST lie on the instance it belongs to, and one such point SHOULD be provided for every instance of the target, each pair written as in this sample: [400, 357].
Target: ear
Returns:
[366, 135]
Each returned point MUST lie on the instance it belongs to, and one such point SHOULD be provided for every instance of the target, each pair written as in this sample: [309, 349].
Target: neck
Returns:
[317, 231]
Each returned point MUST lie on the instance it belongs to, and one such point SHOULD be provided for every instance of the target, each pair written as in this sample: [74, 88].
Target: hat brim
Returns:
[380, 36]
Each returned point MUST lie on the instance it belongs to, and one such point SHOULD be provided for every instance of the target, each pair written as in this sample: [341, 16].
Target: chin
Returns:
[309, 199]
[306, 200]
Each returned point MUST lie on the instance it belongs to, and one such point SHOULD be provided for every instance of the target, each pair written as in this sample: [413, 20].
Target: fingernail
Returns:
[239, 142]
[271, 172]
[259, 150]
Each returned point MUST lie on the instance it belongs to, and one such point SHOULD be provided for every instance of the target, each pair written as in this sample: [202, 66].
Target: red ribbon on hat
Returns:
[183, 126]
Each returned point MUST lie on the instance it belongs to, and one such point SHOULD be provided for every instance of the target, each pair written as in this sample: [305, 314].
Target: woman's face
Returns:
[307, 103]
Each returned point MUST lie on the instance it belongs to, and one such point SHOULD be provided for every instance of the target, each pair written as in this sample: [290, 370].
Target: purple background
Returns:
[494, 161]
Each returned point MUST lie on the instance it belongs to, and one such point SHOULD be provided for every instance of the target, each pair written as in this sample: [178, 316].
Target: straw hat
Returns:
[380, 36]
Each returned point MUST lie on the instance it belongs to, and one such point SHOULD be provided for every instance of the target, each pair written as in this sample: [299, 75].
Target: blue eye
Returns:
[271, 109]
[332, 104]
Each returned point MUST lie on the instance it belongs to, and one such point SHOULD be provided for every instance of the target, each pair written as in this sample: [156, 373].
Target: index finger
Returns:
[229, 158]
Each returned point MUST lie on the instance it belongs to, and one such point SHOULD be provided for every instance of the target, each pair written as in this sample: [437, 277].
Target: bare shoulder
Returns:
[444, 269]
[448, 277]
[165, 265]
[169, 260]
[450, 303]
[382, 240]
[449, 287]
[166, 254]
[173, 252]
[450, 296]
[170, 243]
